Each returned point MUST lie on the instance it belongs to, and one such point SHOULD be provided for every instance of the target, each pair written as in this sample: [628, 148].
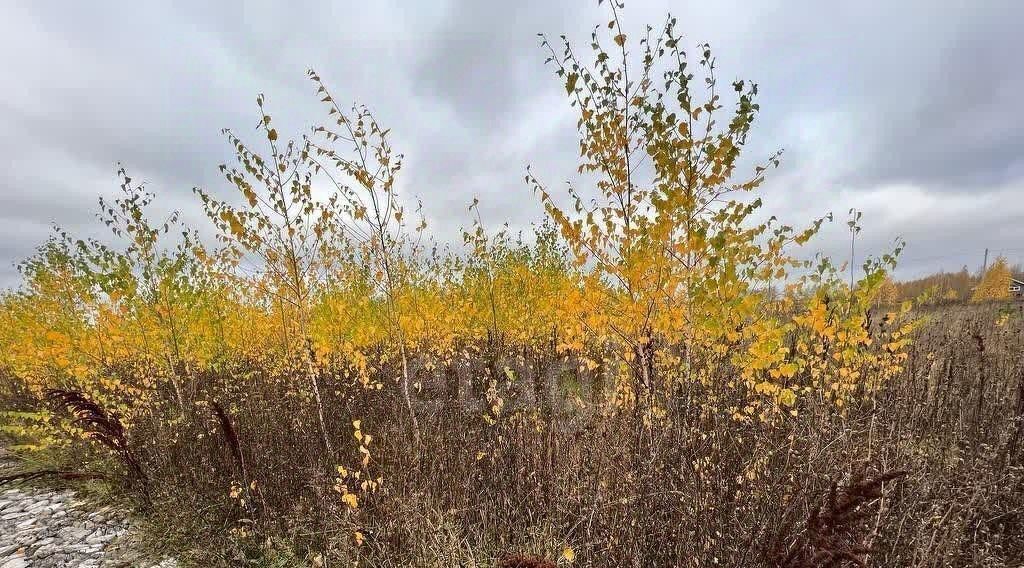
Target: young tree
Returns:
[995, 283]
[45, 336]
[363, 173]
[888, 293]
[283, 232]
[154, 274]
[668, 235]
[669, 239]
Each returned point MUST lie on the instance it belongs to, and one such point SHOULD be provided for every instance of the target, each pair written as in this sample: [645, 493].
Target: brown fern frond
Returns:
[231, 436]
[99, 425]
[834, 533]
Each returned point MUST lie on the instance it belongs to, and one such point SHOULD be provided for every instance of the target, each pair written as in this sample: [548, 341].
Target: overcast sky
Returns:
[910, 111]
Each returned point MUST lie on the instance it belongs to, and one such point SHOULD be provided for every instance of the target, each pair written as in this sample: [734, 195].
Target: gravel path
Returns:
[50, 528]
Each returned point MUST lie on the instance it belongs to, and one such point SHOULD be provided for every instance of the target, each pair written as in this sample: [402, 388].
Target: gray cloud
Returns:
[481, 53]
[907, 111]
[956, 123]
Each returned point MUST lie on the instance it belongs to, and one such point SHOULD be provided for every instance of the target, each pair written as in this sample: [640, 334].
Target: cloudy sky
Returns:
[908, 110]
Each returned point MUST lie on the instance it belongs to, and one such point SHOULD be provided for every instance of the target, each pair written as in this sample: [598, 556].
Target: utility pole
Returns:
[984, 265]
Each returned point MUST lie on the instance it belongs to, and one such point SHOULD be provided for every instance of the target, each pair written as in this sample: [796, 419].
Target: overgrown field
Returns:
[654, 378]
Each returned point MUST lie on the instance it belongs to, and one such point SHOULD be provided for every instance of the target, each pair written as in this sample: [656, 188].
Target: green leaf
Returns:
[570, 83]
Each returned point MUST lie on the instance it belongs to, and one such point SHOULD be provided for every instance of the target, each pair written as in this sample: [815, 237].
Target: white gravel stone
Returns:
[52, 529]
